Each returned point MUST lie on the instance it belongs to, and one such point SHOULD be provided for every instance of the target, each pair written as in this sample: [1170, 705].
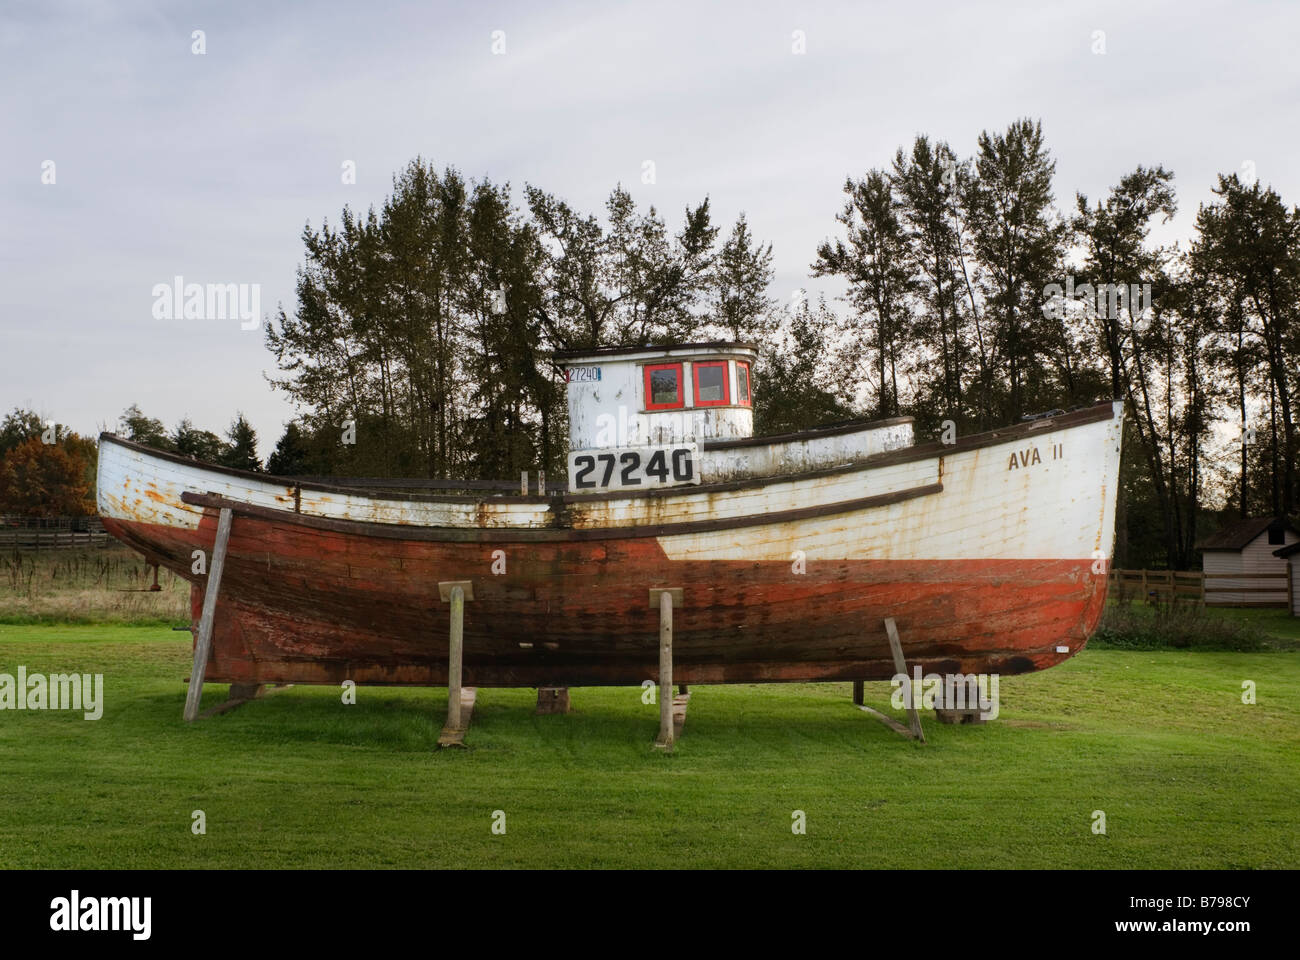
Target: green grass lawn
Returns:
[1274, 622]
[1187, 775]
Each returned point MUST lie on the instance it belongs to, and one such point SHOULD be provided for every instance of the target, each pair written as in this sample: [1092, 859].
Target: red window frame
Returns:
[726, 386]
[748, 399]
[649, 395]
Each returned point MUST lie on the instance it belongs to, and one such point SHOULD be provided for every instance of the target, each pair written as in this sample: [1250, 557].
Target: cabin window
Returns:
[710, 383]
[1276, 535]
[742, 384]
[663, 386]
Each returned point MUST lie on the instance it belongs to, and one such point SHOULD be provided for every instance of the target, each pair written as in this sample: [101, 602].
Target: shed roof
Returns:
[1235, 536]
[1287, 551]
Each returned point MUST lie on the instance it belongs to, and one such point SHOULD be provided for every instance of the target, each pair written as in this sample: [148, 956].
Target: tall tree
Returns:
[625, 284]
[925, 183]
[1251, 240]
[877, 266]
[1140, 337]
[1017, 238]
[742, 275]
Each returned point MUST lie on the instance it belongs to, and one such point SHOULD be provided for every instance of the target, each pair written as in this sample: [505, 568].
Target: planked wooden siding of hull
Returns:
[991, 558]
[1239, 588]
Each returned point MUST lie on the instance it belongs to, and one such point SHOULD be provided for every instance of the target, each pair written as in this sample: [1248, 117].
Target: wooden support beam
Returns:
[900, 667]
[887, 720]
[242, 693]
[460, 701]
[666, 599]
[551, 700]
[203, 643]
[680, 703]
[456, 738]
[456, 655]
[857, 693]
[966, 715]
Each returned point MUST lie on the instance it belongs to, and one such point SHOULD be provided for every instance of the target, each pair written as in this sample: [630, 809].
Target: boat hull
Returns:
[991, 556]
[315, 607]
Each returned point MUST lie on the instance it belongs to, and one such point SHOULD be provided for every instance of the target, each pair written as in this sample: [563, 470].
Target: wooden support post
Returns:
[857, 693]
[155, 587]
[460, 700]
[240, 694]
[665, 600]
[680, 703]
[900, 666]
[665, 740]
[552, 700]
[541, 483]
[455, 656]
[203, 643]
[523, 484]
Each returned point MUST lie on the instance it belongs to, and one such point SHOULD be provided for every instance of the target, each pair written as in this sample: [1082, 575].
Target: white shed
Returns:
[1241, 569]
[1291, 555]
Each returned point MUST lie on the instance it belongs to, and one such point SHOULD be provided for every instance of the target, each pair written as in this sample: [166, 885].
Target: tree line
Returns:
[429, 324]
[48, 470]
[973, 290]
[424, 331]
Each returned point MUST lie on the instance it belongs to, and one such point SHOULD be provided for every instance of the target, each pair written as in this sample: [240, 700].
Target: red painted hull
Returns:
[306, 605]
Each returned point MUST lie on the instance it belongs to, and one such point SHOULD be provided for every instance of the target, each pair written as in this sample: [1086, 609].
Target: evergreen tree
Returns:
[926, 184]
[189, 441]
[292, 456]
[240, 449]
[877, 266]
[742, 275]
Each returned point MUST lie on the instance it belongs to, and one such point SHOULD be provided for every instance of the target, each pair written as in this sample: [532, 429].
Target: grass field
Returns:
[107, 584]
[1186, 774]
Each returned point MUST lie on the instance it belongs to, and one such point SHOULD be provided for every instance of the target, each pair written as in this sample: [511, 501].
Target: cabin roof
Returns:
[1236, 536]
[654, 349]
[1290, 551]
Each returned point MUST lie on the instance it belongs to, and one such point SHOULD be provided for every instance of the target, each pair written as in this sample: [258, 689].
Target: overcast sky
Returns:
[169, 163]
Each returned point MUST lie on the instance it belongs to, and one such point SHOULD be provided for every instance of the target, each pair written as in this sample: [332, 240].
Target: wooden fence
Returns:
[1156, 585]
[1260, 590]
[51, 533]
[1190, 585]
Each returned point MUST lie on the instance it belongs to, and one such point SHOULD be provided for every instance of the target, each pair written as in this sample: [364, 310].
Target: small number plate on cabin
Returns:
[582, 374]
[634, 468]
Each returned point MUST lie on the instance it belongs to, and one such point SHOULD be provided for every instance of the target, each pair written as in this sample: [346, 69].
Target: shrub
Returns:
[1178, 626]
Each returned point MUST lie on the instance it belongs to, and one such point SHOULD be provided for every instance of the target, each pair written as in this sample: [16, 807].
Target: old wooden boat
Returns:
[989, 552]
